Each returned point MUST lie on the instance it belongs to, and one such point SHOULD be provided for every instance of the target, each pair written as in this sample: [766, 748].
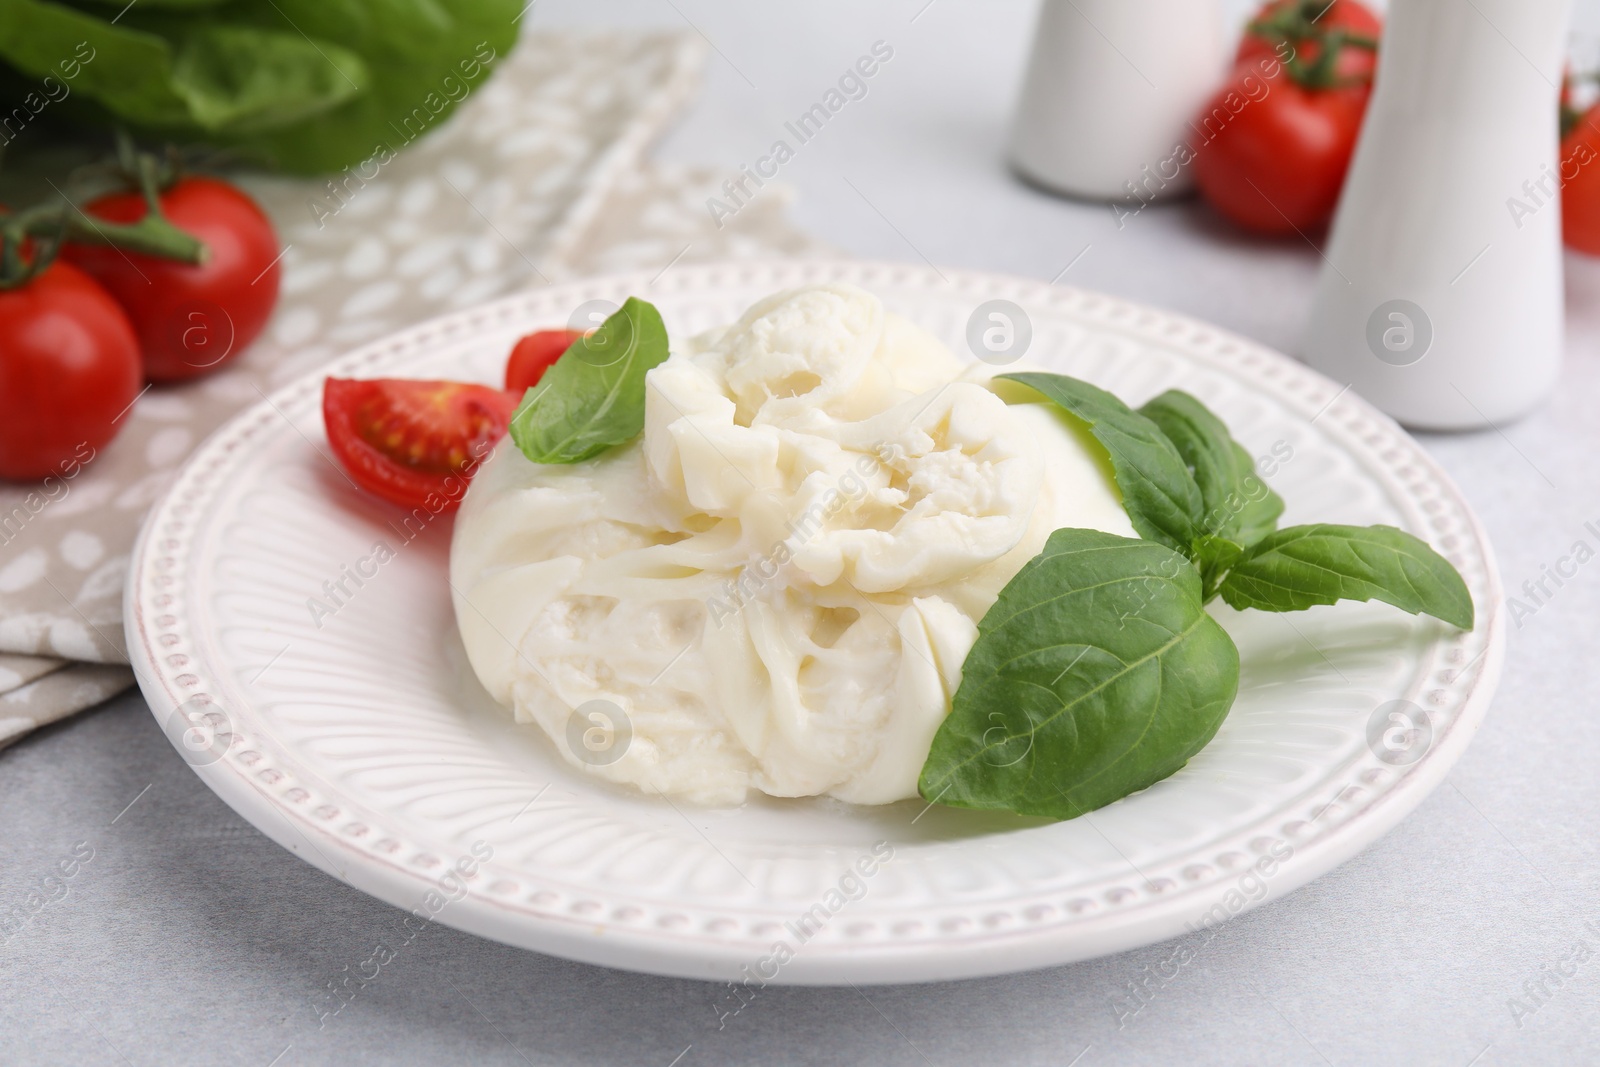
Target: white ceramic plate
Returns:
[361, 742]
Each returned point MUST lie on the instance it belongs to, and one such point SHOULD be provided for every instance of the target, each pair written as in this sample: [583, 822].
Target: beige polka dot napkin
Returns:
[540, 176]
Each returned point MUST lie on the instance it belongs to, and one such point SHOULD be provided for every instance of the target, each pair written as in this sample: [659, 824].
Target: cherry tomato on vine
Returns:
[1580, 184]
[191, 319]
[533, 355]
[1262, 38]
[1278, 166]
[1276, 139]
[69, 371]
[414, 443]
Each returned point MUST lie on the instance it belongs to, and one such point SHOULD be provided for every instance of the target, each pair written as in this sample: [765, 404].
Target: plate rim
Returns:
[696, 955]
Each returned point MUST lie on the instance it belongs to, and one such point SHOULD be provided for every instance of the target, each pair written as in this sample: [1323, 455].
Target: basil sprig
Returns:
[1238, 505]
[592, 398]
[1097, 672]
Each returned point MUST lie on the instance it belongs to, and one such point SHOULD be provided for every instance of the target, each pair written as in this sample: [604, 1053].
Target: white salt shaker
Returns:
[1110, 89]
[1441, 296]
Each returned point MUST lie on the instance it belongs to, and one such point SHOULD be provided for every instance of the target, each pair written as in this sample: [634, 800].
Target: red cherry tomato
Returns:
[1274, 153]
[69, 370]
[191, 319]
[1322, 16]
[1580, 184]
[533, 355]
[414, 443]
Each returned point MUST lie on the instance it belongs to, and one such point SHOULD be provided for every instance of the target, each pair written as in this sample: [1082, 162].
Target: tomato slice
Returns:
[533, 355]
[414, 443]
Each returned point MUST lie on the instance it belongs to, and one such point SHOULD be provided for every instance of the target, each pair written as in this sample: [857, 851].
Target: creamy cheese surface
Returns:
[778, 582]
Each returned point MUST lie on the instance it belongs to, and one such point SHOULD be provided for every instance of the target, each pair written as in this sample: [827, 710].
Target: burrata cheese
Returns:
[775, 585]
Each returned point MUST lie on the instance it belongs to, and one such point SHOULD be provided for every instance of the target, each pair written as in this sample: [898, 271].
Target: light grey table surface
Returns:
[191, 938]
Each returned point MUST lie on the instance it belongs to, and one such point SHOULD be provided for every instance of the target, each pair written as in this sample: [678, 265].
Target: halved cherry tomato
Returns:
[533, 355]
[414, 443]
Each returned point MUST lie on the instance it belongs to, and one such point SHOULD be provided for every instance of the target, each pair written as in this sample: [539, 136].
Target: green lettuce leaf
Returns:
[206, 78]
[241, 80]
[303, 85]
[126, 71]
[425, 58]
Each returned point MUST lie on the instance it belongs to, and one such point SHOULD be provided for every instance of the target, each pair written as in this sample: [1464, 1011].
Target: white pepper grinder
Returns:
[1441, 296]
[1110, 89]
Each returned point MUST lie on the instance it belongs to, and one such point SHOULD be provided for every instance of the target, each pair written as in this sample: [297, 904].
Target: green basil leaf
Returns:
[1261, 508]
[593, 396]
[1096, 673]
[1237, 504]
[1160, 496]
[1302, 566]
[1215, 556]
[1206, 447]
